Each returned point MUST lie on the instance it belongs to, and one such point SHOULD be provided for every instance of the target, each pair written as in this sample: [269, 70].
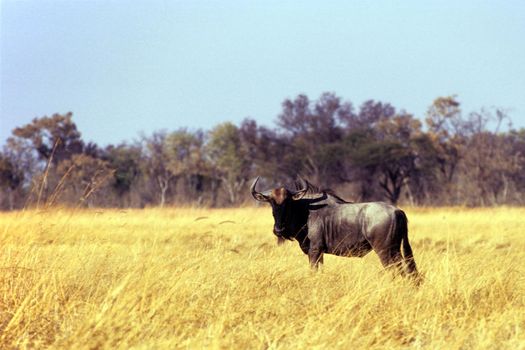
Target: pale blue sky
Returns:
[123, 67]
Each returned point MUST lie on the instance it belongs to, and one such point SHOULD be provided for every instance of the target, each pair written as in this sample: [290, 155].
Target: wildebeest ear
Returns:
[301, 192]
[298, 195]
[258, 195]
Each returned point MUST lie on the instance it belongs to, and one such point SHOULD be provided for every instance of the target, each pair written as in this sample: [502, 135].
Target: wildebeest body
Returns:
[324, 223]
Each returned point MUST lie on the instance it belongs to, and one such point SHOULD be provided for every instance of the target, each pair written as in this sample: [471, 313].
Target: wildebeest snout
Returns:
[278, 230]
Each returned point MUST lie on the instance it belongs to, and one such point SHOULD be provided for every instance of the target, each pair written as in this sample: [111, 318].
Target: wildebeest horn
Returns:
[258, 195]
[300, 193]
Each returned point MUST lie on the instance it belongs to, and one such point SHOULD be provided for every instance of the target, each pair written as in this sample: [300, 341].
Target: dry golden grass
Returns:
[195, 278]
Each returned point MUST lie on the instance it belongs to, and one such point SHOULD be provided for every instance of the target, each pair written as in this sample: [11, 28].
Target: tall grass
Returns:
[195, 278]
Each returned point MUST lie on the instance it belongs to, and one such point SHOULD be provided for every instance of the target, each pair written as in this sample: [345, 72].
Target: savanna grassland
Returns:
[198, 278]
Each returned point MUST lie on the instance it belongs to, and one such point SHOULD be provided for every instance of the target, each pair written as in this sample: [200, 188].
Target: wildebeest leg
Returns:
[392, 260]
[315, 255]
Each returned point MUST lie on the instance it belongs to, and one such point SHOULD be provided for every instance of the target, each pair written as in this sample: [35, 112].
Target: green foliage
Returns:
[373, 153]
[126, 163]
[185, 152]
[10, 176]
[226, 152]
[56, 136]
[228, 156]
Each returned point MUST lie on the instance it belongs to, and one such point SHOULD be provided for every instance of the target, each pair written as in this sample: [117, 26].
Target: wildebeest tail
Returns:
[402, 230]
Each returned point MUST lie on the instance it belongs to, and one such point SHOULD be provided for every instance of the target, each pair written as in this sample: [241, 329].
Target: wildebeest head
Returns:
[281, 200]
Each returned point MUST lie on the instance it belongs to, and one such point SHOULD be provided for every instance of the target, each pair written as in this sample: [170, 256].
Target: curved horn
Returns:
[258, 196]
[300, 193]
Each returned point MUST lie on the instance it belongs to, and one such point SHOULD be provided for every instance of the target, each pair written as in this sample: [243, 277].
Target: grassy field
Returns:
[197, 278]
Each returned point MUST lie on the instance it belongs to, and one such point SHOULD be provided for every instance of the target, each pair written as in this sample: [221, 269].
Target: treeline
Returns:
[374, 152]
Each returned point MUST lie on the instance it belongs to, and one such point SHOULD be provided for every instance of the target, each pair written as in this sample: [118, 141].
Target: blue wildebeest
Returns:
[322, 222]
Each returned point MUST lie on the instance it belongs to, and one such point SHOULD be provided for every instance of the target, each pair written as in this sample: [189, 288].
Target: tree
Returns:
[126, 161]
[81, 177]
[314, 134]
[515, 140]
[370, 113]
[446, 130]
[259, 144]
[228, 157]
[11, 178]
[389, 153]
[38, 147]
[187, 161]
[58, 133]
[489, 160]
[156, 164]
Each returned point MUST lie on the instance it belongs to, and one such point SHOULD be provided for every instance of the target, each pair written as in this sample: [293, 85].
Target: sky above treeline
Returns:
[130, 67]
